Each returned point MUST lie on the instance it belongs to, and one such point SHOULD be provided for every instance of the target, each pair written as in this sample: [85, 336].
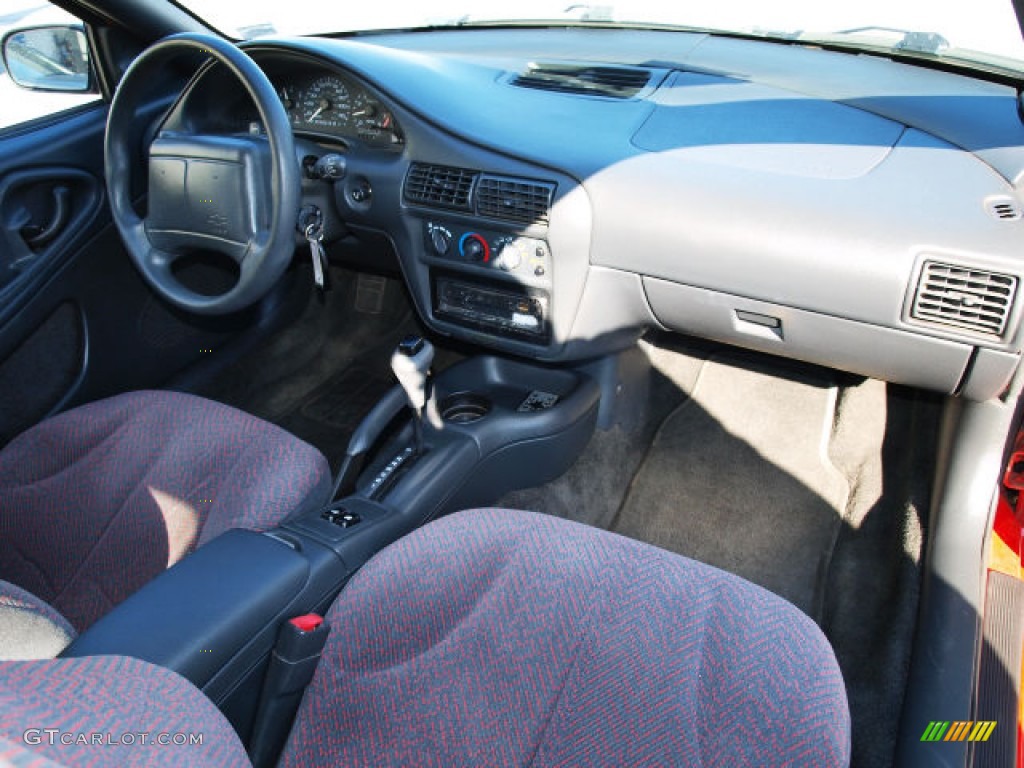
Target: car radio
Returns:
[519, 312]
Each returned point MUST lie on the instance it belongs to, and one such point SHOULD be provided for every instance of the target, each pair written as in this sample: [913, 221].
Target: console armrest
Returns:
[195, 617]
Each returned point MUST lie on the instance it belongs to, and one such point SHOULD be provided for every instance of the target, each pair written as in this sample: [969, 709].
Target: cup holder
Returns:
[464, 407]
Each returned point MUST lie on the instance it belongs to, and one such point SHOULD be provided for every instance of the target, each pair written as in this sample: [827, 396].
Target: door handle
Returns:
[37, 236]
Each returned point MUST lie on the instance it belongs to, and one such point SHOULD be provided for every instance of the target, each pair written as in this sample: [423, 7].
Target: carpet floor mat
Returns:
[319, 376]
[739, 476]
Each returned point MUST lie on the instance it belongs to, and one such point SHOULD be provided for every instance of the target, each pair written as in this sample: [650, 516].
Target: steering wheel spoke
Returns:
[233, 195]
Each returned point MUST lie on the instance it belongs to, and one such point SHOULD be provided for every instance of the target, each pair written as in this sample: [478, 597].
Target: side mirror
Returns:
[51, 58]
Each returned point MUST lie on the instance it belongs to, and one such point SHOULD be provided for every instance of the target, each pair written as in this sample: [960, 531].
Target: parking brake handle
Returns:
[300, 643]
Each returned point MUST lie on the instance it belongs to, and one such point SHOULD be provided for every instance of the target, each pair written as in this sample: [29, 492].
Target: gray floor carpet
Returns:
[739, 477]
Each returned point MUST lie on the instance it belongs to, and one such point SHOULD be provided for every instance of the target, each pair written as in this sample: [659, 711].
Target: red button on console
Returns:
[307, 623]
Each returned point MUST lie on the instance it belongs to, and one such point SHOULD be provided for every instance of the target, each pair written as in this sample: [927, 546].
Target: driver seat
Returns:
[98, 500]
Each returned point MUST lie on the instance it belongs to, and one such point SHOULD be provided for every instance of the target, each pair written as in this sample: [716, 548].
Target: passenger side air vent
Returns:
[972, 300]
[1003, 208]
[610, 82]
[527, 202]
[439, 185]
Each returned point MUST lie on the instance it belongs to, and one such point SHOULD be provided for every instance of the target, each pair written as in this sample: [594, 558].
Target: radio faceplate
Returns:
[501, 309]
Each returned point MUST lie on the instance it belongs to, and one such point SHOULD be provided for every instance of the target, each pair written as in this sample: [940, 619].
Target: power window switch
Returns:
[341, 517]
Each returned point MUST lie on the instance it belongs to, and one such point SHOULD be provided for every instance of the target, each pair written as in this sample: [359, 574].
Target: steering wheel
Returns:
[234, 195]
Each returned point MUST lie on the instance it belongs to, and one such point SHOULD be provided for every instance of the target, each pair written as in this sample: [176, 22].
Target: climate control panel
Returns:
[496, 250]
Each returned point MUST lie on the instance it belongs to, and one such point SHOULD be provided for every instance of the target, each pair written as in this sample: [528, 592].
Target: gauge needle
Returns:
[324, 104]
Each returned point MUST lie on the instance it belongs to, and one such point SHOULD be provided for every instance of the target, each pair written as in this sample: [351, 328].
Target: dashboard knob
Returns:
[510, 256]
[473, 247]
[473, 250]
[440, 240]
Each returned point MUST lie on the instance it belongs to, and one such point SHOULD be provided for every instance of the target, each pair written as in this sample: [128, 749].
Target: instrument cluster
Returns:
[327, 104]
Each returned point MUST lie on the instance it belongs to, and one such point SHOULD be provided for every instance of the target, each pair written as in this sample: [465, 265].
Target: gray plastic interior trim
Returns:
[990, 374]
[846, 248]
[882, 353]
[613, 304]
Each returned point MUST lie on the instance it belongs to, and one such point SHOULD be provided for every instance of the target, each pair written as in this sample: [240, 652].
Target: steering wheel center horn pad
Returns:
[235, 195]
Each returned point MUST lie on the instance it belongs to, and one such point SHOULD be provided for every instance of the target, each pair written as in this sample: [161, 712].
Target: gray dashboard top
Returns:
[458, 78]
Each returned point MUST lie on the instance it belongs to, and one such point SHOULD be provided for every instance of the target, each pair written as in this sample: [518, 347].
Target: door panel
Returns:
[44, 212]
[77, 322]
[42, 371]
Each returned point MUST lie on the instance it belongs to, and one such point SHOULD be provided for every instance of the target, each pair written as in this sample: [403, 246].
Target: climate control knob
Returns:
[473, 247]
[440, 239]
[509, 257]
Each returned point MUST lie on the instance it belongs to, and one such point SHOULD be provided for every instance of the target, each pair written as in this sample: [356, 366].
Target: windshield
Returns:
[980, 31]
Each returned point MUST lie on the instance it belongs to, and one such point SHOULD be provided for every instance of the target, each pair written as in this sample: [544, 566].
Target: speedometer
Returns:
[326, 103]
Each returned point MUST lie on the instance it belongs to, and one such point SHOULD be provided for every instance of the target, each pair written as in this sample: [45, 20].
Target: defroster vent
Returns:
[973, 300]
[587, 80]
[519, 200]
[439, 185]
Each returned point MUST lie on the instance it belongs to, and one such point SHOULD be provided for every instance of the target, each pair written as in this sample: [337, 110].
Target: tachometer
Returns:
[326, 103]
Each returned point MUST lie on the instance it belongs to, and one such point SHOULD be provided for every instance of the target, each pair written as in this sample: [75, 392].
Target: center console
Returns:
[484, 426]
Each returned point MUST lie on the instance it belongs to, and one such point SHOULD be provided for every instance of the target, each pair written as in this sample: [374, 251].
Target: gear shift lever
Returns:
[410, 363]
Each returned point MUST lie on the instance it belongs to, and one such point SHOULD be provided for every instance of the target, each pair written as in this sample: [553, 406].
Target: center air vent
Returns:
[961, 297]
[439, 185]
[611, 82]
[519, 200]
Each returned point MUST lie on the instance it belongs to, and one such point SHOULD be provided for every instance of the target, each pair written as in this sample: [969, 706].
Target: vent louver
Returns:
[439, 185]
[519, 200]
[610, 82]
[961, 297]
[1004, 208]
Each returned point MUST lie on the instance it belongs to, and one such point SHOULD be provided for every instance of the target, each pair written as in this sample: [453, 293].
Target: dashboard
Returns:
[552, 193]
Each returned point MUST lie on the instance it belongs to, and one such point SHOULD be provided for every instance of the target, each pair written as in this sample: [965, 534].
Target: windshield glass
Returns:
[981, 31]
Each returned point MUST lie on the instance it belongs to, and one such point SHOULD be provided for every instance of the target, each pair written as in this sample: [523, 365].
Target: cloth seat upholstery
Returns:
[500, 638]
[98, 500]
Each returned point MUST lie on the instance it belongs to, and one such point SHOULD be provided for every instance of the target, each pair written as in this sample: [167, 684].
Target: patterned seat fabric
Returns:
[496, 638]
[109, 711]
[98, 500]
[493, 638]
